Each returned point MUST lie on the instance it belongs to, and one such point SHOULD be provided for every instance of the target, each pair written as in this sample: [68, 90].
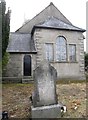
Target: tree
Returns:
[5, 27]
[3, 7]
[0, 32]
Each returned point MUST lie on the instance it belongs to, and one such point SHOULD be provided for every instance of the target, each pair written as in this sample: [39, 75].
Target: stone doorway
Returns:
[27, 65]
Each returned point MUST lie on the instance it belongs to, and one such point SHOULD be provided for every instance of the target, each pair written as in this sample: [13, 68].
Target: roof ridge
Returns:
[50, 17]
[33, 17]
[69, 24]
[19, 33]
[47, 24]
[65, 22]
[60, 12]
[51, 3]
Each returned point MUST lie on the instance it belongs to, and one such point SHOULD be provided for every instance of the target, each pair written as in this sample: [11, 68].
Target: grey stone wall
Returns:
[14, 66]
[66, 70]
[81, 56]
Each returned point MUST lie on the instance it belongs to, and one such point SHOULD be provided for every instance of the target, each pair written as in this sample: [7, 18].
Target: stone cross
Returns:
[45, 85]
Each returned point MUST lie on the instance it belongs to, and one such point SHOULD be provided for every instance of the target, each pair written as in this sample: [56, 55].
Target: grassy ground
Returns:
[15, 99]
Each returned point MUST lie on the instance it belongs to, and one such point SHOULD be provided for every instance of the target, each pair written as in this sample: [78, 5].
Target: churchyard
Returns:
[50, 38]
[15, 99]
[45, 97]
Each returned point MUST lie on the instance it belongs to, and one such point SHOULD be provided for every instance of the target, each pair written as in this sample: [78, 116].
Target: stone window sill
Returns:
[63, 62]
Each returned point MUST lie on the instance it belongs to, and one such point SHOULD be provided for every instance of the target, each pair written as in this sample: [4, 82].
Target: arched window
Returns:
[61, 49]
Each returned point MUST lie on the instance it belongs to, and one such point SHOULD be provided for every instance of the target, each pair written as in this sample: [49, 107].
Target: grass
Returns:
[70, 81]
[16, 99]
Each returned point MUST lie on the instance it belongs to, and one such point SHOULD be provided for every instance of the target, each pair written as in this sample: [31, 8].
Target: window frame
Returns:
[69, 53]
[52, 52]
[62, 61]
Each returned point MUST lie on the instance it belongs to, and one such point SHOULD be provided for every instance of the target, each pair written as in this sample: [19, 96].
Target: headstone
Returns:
[45, 88]
[44, 98]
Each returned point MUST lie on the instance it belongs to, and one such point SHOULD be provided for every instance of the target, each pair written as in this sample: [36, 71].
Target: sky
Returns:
[21, 10]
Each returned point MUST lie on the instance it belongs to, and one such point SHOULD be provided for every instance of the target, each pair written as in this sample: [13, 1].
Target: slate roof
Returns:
[50, 10]
[55, 23]
[21, 43]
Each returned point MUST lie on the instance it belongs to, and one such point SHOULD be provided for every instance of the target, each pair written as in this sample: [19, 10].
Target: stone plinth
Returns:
[52, 111]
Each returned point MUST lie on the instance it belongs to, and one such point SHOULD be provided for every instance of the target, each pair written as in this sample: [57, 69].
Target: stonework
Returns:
[14, 66]
[45, 104]
[39, 36]
[66, 70]
[45, 88]
[46, 112]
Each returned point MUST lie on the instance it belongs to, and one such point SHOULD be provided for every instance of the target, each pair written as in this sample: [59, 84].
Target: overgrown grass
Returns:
[17, 84]
[63, 81]
[16, 99]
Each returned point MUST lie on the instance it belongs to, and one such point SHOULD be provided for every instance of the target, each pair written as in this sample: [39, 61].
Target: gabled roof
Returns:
[49, 11]
[21, 43]
[54, 23]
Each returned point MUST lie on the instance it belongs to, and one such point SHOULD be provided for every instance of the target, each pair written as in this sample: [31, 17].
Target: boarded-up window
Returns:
[72, 53]
[61, 49]
[49, 51]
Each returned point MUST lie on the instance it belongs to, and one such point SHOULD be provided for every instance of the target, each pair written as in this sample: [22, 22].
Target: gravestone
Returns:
[45, 104]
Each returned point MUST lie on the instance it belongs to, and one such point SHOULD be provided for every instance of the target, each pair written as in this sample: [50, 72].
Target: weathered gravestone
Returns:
[45, 104]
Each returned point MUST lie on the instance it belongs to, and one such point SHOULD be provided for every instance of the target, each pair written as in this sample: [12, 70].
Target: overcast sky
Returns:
[73, 10]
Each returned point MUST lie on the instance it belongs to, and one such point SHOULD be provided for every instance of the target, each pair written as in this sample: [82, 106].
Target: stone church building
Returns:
[51, 36]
